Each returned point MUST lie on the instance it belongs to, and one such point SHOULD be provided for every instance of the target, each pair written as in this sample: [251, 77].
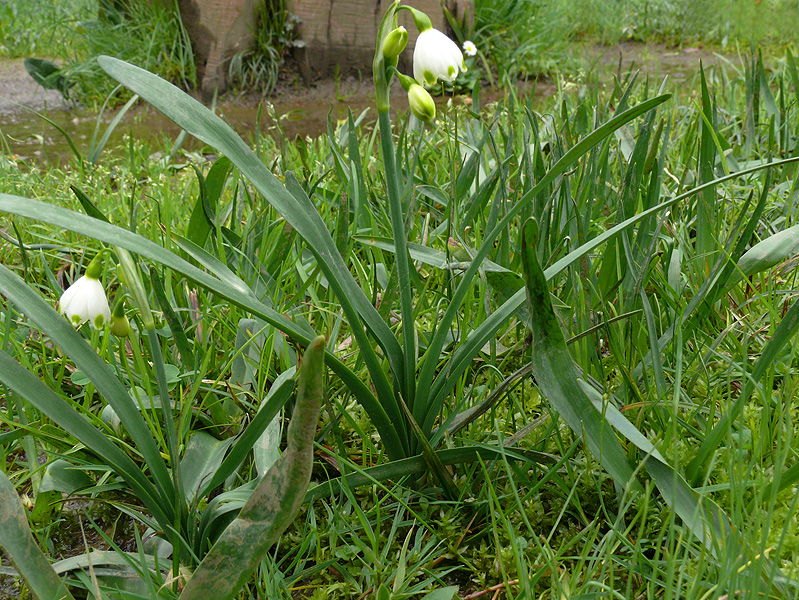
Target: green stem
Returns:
[408, 377]
[172, 445]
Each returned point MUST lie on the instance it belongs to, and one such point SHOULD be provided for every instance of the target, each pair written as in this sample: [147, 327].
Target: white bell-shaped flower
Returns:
[85, 300]
[435, 57]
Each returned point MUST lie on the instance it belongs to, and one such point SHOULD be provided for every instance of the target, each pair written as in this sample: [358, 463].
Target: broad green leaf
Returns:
[199, 227]
[89, 207]
[706, 209]
[447, 593]
[770, 252]
[203, 456]
[277, 498]
[555, 372]
[16, 539]
[250, 343]
[62, 476]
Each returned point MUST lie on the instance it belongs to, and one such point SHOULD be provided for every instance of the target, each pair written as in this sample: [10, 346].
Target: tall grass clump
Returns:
[718, 22]
[276, 31]
[560, 343]
[523, 38]
[150, 34]
[41, 27]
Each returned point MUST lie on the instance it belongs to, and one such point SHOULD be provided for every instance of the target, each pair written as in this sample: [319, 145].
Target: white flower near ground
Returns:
[469, 48]
[435, 57]
[85, 301]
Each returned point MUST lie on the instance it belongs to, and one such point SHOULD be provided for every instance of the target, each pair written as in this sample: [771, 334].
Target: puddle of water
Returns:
[32, 138]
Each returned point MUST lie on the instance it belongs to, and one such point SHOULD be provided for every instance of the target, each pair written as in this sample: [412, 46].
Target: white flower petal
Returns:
[85, 300]
[435, 57]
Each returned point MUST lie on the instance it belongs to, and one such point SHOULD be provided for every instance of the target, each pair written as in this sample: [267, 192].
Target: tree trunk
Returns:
[218, 30]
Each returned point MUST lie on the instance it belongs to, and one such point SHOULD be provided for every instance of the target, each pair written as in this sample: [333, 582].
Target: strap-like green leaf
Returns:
[235, 293]
[17, 540]
[277, 498]
[20, 381]
[98, 371]
[555, 372]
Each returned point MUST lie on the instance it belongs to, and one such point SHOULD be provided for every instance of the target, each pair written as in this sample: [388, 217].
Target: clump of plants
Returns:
[150, 34]
[560, 344]
[276, 32]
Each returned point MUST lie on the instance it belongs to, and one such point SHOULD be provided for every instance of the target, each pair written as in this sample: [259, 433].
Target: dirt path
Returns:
[17, 87]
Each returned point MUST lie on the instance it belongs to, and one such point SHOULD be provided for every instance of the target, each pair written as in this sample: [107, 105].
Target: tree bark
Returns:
[218, 29]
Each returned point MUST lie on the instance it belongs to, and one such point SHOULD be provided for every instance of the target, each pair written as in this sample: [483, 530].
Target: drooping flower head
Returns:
[435, 55]
[85, 299]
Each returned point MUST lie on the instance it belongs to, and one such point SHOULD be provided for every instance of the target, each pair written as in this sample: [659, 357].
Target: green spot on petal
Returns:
[429, 78]
[451, 71]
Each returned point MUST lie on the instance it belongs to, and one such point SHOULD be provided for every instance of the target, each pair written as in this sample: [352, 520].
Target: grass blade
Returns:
[555, 372]
[274, 503]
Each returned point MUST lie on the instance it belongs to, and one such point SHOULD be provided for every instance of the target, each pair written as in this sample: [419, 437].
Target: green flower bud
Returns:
[394, 44]
[120, 326]
[421, 103]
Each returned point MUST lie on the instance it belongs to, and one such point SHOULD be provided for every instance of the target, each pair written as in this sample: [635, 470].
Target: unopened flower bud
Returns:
[120, 326]
[421, 103]
[394, 44]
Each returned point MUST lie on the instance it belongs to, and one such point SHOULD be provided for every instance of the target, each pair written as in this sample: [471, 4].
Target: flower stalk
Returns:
[131, 277]
[383, 72]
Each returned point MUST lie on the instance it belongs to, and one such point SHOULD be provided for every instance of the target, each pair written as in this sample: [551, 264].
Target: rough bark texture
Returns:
[218, 29]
